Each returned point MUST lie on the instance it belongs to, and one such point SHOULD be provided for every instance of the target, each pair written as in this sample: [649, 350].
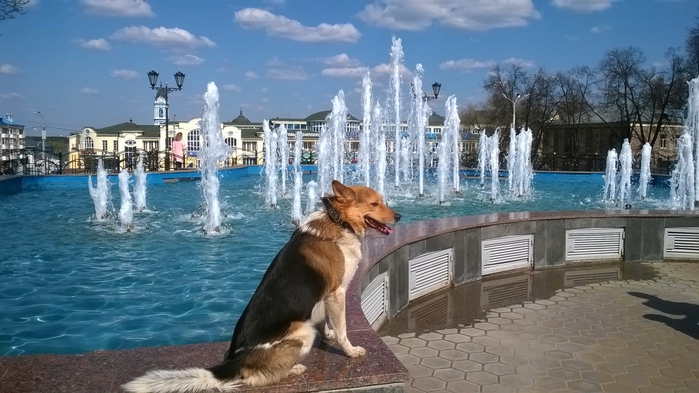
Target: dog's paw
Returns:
[298, 369]
[329, 335]
[355, 352]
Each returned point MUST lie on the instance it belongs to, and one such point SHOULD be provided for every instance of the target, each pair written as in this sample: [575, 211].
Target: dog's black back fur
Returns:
[288, 291]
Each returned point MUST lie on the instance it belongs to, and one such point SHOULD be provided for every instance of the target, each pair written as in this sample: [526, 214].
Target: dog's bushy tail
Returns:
[190, 380]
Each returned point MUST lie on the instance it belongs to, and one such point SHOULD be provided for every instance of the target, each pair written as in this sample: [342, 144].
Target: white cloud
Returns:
[465, 65]
[582, 5]
[128, 8]
[281, 26]
[341, 60]
[162, 37]
[274, 62]
[288, 74]
[8, 69]
[232, 88]
[250, 75]
[264, 90]
[10, 96]
[88, 90]
[599, 29]
[125, 74]
[186, 60]
[97, 44]
[456, 14]
[520, 62]
[346, 72]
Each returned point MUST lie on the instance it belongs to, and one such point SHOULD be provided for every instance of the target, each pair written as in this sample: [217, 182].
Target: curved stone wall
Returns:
[601, 236]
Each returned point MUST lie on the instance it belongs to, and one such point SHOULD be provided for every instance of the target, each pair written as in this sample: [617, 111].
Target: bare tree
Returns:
[666, 94]
[693, 50]
[623, 86]
[10, 8]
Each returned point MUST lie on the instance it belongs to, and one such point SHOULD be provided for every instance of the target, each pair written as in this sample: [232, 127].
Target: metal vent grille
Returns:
[430, 271]
[681, 243]
[576, 278]
[591, 244]
[505, 291]
[506, 253]
[375, 300]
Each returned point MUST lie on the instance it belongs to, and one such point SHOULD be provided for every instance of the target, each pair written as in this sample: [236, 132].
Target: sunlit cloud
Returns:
[186, 60]
[9, 69]
[283, 27]
[288, 74]
[346, 72]
[88, 90]
[125, 74]
[250, 75]
[96, 44]
[233, 88]
[162, 37]
[583, 6]
[124, 8]
[466, 65]
[341, 60]
[418, 15]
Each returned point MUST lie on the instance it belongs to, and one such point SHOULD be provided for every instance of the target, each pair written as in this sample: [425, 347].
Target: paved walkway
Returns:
[627, 335]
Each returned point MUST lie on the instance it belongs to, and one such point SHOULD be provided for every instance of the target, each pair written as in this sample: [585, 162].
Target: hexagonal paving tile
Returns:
[449, 374]
[429, 384]
[435, 362]
[481, 377]
[441, 344]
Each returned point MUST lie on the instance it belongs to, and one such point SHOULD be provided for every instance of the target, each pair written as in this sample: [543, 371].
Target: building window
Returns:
[104, 146]
[230, 142]
[89, 144]
[193, 140]
[249, 146]
[116, 146]
[663, 142]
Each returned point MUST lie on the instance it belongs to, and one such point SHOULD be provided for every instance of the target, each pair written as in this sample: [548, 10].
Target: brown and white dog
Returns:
[303, 287]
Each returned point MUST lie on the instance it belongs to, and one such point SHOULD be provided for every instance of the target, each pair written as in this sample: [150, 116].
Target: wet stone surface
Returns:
[600, 328]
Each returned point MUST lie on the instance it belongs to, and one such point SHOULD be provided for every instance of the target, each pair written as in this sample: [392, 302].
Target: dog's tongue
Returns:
[382, 228]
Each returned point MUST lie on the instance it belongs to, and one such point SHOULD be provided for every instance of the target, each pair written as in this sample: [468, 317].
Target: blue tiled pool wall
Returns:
[644, 241]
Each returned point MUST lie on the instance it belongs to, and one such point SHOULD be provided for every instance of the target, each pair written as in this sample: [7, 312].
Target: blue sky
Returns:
[84, 62]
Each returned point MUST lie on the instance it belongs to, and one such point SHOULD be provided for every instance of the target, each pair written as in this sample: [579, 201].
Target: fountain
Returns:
[296, 214]
[610, 177]
[270, 165]
[214, 149]
[394, 102]
[626, 163]
[100, 194]
[139, 189]
[365, 138]
[126, 209]
[644, 177]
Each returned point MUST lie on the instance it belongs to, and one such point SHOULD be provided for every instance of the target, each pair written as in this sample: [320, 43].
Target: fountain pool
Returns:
[71, 284]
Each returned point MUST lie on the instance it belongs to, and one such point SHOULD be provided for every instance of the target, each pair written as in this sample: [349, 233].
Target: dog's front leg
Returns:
[335, 307]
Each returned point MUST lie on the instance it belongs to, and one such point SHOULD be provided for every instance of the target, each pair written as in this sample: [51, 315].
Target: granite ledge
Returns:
[105, 371]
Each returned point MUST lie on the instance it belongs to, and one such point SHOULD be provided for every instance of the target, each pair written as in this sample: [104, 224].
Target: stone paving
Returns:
[614, 336]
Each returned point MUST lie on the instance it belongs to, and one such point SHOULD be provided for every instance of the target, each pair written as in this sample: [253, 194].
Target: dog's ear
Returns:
[343, 194]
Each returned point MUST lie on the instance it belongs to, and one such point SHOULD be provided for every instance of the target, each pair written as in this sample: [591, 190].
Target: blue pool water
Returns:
[71, 285]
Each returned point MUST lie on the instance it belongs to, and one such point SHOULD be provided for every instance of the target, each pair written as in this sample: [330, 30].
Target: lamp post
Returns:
[435, 90]
[164, 90]
[514, 104]
[43, 140]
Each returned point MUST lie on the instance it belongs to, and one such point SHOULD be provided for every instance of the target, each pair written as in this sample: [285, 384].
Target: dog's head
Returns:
[362, 208]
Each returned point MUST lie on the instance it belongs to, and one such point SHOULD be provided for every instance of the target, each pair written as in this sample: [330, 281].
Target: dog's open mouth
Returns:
[381, 227]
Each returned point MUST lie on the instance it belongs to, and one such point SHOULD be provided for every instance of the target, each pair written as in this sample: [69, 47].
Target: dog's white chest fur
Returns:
[352, 250]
